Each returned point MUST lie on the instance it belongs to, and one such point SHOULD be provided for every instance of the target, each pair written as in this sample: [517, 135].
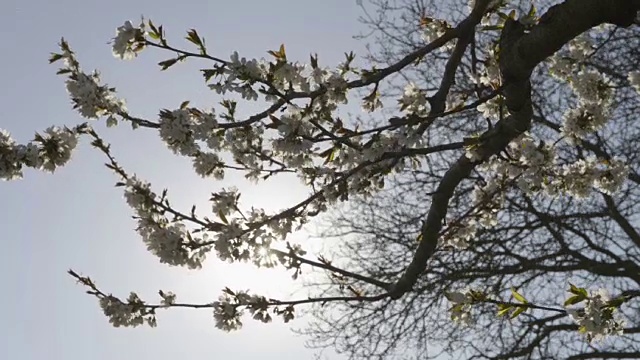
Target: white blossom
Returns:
[226, 314]
[491, 74]
[610, 179]
[461, 309]
[90, 98]
[462, 235]
[560, 67]
[124, 39]
[208, 164]
[138, 195]
[176, 129]
[10, 160]
[168, 298]
[585, 119]
[493, 108]
[591, 87]
[597, 319]
[580, 47]
[225, 201]
[171, 242]
[57, 147]
[129, 314]
[414, 100]
[433, 29]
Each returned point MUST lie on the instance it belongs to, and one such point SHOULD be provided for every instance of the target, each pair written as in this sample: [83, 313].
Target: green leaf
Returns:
[209, 73]
[518, 311]
[280, 55]
[229, 291]
[574, 300]
[167, 63]
[502, 15]
[578, 291]
[492, 27]
[282, 52]
[223, 218]
[155, 33]
[332, 155]
[617, 302]
[517, 296]
[503, 309]
[54, 57]
[192, 35]
[314, 61]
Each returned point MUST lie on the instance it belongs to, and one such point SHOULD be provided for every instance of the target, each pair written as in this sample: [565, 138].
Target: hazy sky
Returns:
[77, 219]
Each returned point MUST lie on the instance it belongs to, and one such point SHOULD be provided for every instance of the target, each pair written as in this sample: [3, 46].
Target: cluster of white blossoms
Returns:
[183, 128]
[91, 99]
[598, 317]
[414, 100]
[533, 166]
[594, 90]
[462, 304]
[490, 75]
[595, 93]
[56, 147]
[131, 313]
[238, 237]
[433, 29]
[487, 201]
[227, 313]
[581, 177]
[187, 130]
[47, 152]
[225, 201]
[493, 108]
[562, 65]
[208, 164]
[169, 240]
[240, 75]
[528, 164]
[123, 42]
[229, 309]
[168, 298]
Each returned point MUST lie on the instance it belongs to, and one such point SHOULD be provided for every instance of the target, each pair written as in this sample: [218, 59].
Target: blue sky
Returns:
[77, 219]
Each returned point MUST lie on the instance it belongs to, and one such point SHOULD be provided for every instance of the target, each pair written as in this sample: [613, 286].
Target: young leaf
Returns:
[578, 291]
[517, 296]
[167, 63]
[223, 218]
[518, 311]
[192, 36]
[503, 309]
[574, 300]
[54, 57]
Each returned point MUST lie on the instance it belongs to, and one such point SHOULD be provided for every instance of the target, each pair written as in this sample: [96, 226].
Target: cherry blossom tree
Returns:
[494, 159]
